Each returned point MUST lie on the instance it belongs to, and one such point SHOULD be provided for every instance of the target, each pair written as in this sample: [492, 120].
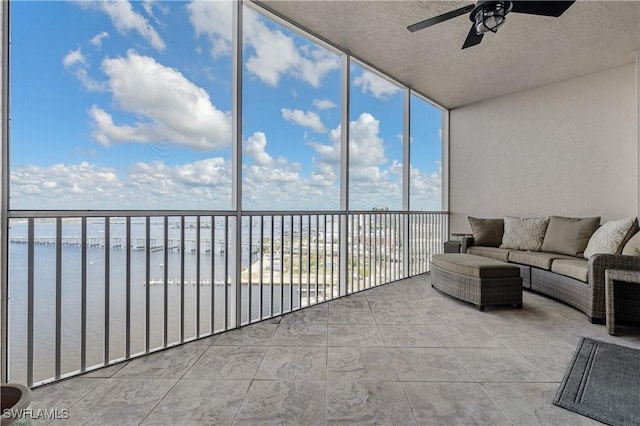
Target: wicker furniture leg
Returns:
[612, 275]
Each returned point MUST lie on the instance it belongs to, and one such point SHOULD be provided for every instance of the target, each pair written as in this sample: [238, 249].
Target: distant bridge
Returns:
[137, 244]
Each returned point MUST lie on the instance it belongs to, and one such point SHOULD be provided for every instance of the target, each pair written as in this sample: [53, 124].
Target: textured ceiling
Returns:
[528, 51]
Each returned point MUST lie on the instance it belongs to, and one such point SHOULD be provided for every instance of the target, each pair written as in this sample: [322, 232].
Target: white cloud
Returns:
[426, 189]
[76, 63]
[279, 184]
[97, 39]
[373, 183]
[377, 86]
[74, 57]
[323, 104]
[273, 54]
[150, 5]
[125, 19]
[203, 184]
[63, 186]
[214, 20]
[366, 147]
[306, 119]
[255, 146]
[172, 109]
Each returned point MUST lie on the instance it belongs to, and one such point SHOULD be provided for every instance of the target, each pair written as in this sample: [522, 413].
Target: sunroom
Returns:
[244, 198]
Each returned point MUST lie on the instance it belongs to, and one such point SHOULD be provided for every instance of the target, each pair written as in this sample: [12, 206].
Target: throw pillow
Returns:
[634, 229]
[569, 235]
[632, 248]
[524, 234]
[487, 232]
[608, 238]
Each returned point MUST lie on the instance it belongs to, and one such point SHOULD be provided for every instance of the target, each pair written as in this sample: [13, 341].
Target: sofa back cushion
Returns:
[632, 248]
[634, 229]
[569, 235]
[609, 237]
[487, 232]
[524, 234]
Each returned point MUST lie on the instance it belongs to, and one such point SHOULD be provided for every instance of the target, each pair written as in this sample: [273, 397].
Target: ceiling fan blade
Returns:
[544, 8]
[473, 38]
[440, 18]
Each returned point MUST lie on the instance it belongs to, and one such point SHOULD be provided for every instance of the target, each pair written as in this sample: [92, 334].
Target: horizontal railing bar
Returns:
[44, 214]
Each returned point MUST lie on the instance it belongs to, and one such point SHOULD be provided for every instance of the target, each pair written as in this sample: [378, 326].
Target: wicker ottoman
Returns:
[477, 280]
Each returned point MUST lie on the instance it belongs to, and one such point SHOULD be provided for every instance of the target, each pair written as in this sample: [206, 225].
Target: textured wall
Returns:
[567, 149]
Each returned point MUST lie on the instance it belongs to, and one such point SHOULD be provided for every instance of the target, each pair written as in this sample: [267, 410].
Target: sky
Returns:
[127, 105]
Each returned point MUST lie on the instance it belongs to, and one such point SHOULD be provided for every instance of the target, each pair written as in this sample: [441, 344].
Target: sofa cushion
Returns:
[524, 234]
[632, 248]
[569, 235]
[474, 266]
[609, 237]
[634, 229]
[574, 268]
[490, 252]
[540, 260]
[487, 232]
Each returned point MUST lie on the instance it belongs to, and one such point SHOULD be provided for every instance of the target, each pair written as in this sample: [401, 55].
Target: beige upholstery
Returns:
[609, 237]
[569, 235]
[524, 234]
[490, 252]
[537, 259]
[475, 266]
[487, 232]
[574, 268]
[631, 248]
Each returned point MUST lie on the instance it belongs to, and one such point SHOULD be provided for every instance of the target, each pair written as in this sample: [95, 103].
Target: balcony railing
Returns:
[88, 290]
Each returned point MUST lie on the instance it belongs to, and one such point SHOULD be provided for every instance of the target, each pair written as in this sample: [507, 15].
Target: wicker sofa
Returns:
[571, 278]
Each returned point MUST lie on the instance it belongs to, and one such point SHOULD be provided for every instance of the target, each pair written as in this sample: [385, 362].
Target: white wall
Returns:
[565, 149]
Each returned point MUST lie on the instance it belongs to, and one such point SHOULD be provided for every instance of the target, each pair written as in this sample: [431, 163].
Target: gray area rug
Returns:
[603, 382]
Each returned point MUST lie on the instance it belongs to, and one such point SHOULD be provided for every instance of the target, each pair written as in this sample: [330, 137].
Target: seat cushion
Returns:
[540, 260]
[490, 252]
[574, 268]
[569, 235]
[474, 266]
[487, 232]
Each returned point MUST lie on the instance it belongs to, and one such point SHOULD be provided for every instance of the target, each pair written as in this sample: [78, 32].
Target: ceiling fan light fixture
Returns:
[491, 15]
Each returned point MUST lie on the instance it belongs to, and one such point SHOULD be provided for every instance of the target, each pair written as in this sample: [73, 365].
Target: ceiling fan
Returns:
[489, 15]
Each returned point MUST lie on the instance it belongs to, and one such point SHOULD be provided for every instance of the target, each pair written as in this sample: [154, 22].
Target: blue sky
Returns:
[126, 105]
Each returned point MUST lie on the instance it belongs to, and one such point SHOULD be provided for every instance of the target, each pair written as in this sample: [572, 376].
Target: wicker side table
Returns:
[611, 275]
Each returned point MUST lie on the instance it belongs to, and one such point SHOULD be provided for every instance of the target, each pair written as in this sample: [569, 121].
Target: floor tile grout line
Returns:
[461, 364]
[159, 401]
[102, 379]
[326, 379]
[175, 384]
[494, 401]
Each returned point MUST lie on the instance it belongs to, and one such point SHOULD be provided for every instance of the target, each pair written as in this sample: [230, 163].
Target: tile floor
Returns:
[400, 354]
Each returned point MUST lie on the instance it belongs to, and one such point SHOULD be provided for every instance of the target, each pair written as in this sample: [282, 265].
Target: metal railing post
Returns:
[236, 161]
[406, 181]
[344, 173]
[4, 196]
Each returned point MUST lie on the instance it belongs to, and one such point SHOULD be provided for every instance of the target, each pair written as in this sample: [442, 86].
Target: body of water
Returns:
[212, 291]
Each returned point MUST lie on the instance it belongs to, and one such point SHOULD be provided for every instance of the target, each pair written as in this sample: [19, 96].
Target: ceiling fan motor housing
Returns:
[489, 15]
